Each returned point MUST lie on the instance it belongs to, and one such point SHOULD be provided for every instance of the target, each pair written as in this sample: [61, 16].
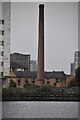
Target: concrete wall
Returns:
[35, 109]
[79, 25]
[5, 48]
[1, 47]
[6, 17]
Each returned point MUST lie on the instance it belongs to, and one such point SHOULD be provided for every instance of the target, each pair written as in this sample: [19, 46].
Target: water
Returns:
[40, 109]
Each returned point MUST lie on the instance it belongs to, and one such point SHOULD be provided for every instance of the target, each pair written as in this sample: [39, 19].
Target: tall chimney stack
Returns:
[40, 72]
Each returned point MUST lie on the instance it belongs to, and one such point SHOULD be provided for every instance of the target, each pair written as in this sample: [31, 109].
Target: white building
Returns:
[5, 39]
[33, 65]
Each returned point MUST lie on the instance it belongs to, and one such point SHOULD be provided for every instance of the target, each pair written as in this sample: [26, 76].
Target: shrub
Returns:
[12, 84]
[72, 83]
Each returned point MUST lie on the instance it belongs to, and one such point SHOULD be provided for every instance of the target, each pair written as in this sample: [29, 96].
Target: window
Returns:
[26, 80]
[19, 81]
[43, 82]
[2, 43]
[3, 22]
[1, 73]
[56, 80]
[2, 53]
[48, 81]
[61, 80]
[2, 32]
[33, 80]
[2, 64]
[54, 84]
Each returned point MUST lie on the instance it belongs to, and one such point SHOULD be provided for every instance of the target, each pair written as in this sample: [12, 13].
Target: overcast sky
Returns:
[61, 32]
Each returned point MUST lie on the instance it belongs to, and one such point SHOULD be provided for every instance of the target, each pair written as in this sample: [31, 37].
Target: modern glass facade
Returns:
[77, 59]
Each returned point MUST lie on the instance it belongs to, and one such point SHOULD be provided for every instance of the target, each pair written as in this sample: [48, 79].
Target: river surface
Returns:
[40, 109]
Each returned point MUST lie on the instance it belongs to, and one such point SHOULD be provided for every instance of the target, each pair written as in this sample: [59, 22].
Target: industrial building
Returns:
[20, 62]
[54, 78]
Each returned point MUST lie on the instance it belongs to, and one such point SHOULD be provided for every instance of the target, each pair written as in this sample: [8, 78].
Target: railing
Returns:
[42, 97]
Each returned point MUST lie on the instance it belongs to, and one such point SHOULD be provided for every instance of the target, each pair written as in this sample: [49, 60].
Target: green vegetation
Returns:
[76, 81]
[12, 84]
[46, 88]
[31, 88]
[13, 93]
[72, 83]
[39, 93]
[77, 76]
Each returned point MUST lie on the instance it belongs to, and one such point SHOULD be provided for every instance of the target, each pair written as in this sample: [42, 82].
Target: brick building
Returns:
[55, 78]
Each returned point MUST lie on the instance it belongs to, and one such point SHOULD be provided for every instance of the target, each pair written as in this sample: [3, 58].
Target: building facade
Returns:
[1, 45]
[77, 59]
[33, 65]
[5, 13]
[55, 78]
[72, 71]
[20, 62]
[76, 62]
[79, 26]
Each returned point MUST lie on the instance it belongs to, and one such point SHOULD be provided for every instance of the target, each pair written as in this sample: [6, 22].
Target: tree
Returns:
[77, 76]
[76, 81]
[46, 89]
[12, 84]
[72, 83]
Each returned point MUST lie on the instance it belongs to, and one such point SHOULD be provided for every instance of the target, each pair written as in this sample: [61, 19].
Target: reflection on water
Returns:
[40, 109]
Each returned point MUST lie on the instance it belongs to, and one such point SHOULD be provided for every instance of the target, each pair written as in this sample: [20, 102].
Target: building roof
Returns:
[20, 54]
[58, 73]
[25, 74]
[49, 74]
[33, 74]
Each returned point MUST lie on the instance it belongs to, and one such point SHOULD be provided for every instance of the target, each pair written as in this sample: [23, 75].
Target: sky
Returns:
[60, 32]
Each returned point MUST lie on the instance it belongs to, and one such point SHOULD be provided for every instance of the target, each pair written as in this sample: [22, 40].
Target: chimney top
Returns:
[41, 6]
